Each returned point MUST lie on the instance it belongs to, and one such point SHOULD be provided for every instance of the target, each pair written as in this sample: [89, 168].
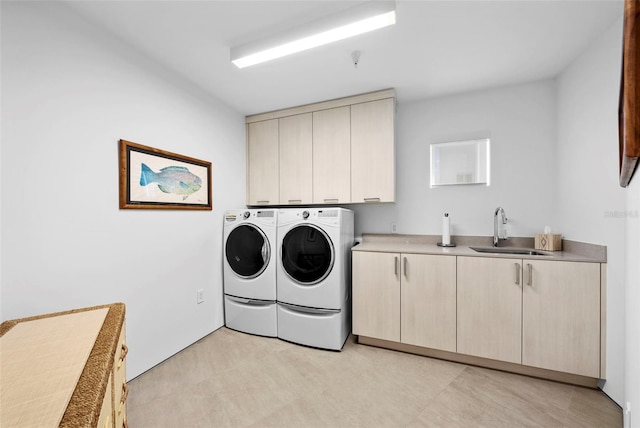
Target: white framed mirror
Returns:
[460, 162]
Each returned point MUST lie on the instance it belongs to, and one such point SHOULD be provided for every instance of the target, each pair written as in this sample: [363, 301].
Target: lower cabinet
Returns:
[561, 316]
[428, 309]
[490, 308]
[533, 313]
[407, 298]
[376, 295]
[539, 313]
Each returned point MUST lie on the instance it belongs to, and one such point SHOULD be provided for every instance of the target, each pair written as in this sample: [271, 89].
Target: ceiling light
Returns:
[363, 18]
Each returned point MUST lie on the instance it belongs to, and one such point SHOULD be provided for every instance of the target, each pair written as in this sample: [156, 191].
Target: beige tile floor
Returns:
[232, 379]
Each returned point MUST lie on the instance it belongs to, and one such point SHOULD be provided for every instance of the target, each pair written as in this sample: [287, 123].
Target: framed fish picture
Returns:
[151, 178]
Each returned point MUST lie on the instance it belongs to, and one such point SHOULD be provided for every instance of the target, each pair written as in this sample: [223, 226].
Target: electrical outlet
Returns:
[200, 295]
[394, 227]
[627, 415]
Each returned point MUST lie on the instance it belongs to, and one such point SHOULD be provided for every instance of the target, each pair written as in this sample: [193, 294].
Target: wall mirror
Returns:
[460, 162]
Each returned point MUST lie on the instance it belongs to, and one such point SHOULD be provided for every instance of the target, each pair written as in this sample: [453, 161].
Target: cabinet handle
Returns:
[262, 202]
[372, 199]
[530, 278]
[125, 394]
[331, 200]
[123, 354]
[517, 273]
[295, 201]
[404, 267]
[395, 272]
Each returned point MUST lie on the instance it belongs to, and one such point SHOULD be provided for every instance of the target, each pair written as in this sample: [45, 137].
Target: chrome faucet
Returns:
[496, 227]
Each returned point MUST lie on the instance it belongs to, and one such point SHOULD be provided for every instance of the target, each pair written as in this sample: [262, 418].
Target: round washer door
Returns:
[247, 251]
[307, 254]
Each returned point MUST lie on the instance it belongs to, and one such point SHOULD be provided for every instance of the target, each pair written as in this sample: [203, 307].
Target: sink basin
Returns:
[515, 251]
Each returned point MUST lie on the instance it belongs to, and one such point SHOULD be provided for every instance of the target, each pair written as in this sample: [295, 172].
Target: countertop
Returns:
[427, 244]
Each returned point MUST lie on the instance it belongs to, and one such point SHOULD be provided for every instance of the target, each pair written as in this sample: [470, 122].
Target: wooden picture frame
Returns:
[151, 178]
[629, 107]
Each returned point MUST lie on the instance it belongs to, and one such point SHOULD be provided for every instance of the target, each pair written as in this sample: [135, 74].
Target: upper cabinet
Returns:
[334, 152]
[332, 156]
[295, 159]
[262, 163]
[372, 151]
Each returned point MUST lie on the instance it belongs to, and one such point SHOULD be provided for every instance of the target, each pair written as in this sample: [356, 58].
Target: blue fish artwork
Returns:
[177, 180]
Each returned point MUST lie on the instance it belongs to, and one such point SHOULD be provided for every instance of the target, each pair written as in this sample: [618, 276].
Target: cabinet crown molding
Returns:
[324, 105]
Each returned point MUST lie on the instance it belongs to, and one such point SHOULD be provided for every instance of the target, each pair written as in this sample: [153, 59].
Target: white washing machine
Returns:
[250, 271]
[314, 275]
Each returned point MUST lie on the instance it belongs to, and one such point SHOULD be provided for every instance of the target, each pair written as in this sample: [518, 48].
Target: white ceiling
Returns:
[436, 47]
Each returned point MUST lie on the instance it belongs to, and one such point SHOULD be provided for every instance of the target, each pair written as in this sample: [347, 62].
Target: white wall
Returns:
[588, 195]
[632, 297]
[520, 120]
[69, 94]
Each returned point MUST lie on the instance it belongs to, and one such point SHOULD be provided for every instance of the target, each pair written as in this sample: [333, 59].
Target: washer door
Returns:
[247, 251]
[307, 254]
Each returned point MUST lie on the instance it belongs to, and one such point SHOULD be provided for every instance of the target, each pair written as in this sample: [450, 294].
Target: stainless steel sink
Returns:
[514, 251]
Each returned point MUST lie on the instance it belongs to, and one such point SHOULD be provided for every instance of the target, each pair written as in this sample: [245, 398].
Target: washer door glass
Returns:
[247, 251]
[307, 254]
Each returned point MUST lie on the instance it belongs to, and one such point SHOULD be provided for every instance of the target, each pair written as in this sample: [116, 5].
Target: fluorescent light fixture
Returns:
[368, 16]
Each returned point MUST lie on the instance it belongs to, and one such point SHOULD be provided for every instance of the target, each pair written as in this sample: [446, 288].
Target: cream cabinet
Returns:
[376, 295]
[540, 313]
[373, 151]
[407, 298]
[334, 152]
[532, 316]
[428, 309]
[263, 178]
[561, 316]
[332, 156]
[490, 308]
[295, 159]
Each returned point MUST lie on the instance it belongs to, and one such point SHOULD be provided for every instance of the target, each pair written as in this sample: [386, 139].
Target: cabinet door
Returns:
[332, 156]
[490, 308]
[372, 151]
[262, 165]
[561, 316]
[295, 159]
[429, 301]
[376, 295]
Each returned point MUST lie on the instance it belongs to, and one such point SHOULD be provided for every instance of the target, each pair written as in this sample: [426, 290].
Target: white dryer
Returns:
[250, 271]
[314, 275]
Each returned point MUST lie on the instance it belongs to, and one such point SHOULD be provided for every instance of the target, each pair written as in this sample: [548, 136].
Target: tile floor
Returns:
[232, 379]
